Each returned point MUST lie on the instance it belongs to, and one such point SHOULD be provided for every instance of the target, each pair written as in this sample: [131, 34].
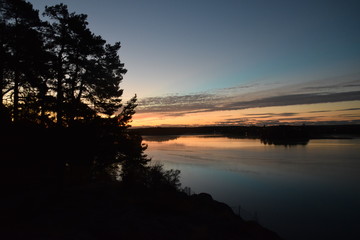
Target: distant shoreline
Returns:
[279, 131]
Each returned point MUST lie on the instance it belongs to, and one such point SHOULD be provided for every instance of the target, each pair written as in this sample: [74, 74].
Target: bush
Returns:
[160, 179]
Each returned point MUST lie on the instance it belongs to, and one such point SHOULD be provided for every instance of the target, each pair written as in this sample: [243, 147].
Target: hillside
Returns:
[109, 211]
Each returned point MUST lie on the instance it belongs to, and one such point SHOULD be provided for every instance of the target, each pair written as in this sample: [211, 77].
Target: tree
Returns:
[57, 69]
[4, 57]
[88, 71]
[125, 117]
[20, 46]
[105, 94]
[59, 72]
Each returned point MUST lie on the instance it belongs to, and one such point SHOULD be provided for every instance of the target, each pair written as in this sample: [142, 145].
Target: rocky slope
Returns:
[107, 211]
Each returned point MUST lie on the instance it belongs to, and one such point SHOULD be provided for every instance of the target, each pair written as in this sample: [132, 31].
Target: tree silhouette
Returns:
[106, 94]
[125, 117]
[21, 45]
[56, 71]
[87, 70]
[63, 82]
[60, 104]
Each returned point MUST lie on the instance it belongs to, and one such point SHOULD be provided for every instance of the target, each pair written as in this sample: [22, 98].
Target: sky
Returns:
[233, 62]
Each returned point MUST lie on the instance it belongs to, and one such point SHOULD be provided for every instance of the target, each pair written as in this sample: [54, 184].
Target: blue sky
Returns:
[174, 48]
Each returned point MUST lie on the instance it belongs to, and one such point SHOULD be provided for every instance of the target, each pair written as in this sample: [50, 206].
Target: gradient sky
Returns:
[206, 62]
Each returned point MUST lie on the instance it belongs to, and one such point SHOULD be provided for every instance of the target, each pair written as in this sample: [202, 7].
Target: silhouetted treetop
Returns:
[56, 71]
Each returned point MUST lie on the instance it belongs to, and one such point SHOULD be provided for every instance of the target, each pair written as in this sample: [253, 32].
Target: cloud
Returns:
[339, 83]
[235, 121]
[294, 99]
[333, 86]
[338, 110]
[271, 114]
[235, 98]
[180, 105]
[322, 111]
[247, 121]
[300, 120]
[350, 109]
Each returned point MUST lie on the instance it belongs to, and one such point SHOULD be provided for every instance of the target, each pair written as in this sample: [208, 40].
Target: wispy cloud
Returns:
[338, 110]
[180, 106]
[300, 120]
[350, 109]
[269, 115]
[295, 99]
[235, 98]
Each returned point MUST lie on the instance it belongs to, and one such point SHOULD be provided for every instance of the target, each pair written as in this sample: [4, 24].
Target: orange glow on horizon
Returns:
[323, 112]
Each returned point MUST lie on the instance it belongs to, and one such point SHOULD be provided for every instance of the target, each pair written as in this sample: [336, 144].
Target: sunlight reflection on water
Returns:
[296, 191]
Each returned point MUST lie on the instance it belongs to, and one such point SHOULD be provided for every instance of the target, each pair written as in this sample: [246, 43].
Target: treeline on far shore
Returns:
[262, 132]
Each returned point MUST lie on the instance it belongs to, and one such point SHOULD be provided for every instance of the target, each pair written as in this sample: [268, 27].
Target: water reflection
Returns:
[311, 188]
[284, 142]
[321, 158]
[287, 142]
[161, 138]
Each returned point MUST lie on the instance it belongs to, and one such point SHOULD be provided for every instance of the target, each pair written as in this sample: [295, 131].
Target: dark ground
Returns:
[44, 200]
[109, 211]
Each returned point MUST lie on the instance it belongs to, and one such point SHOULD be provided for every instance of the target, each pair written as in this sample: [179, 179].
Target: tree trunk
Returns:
[59, 96]
[59, 114]
[73, 98]
[42, 105]
[1, 86]
[16, 96]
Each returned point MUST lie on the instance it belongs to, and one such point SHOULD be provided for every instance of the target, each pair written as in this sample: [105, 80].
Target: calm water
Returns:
[300, 192]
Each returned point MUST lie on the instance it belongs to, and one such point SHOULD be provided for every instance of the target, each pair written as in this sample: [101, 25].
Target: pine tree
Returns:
[20, 44]
[125, 117]
[88, 71]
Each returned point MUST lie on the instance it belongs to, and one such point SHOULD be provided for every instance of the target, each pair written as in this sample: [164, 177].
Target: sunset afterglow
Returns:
[298, 114]
[191, 119]
[234, 62]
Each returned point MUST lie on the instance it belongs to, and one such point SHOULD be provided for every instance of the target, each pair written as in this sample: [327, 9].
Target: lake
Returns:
[307, 191]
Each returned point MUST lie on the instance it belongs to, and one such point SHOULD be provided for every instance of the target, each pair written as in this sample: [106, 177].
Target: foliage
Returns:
[125, 117]
[60, 103]
[158, 178]
[57, 70]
